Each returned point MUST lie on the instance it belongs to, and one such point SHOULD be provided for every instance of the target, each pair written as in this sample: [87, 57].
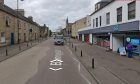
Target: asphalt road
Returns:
[59, 66]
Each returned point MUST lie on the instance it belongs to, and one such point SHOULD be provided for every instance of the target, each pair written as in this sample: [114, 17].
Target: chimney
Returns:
[21, 11]
[30, 18]
[1, 1]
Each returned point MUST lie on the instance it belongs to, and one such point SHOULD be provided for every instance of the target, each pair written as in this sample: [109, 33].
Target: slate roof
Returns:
[102, 7]
[10, 11]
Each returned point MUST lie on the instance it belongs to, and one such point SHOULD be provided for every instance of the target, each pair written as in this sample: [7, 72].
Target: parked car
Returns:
[59, 40]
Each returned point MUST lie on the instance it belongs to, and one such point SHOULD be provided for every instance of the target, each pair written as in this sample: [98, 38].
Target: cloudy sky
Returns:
[54, 12]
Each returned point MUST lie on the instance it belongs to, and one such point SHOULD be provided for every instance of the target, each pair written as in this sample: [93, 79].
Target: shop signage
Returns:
[128, 39]
[115, 27]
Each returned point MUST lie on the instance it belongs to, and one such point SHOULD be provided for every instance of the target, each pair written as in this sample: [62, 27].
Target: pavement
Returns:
[12, 50]
[110, 67]
[45, 63]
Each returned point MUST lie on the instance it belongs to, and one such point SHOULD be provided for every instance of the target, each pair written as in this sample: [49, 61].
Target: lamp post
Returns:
[18, 19]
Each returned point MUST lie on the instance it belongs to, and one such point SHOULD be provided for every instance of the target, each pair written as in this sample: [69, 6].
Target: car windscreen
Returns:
[59, 37]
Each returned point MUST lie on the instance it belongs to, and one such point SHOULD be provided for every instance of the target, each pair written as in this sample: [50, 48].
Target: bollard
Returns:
[31, 43]
[72, 45]
[19, 47]
[75, 48]
[93, 63]
[27, 44]
[6, 52]
[81, 53]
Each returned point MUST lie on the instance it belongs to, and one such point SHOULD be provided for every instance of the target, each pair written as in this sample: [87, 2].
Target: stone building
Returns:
[79, 24]
[44, 31]
[15, 27]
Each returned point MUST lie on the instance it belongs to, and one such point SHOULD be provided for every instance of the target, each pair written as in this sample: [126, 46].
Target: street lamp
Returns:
[18, 19]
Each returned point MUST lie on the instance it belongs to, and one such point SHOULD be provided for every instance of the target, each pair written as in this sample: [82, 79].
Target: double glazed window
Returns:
[96, 22]
[100, 20]
[2, 39]
[108, 18]
[7, 21]
[93, 23]
[131, 10]
[119, 14]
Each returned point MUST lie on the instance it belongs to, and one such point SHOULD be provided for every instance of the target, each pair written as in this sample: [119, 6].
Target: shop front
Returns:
[103, 41]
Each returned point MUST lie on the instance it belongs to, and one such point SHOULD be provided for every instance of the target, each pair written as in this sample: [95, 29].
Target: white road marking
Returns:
[79, 65]
[56, 69]
[86, 79]
[58, 60]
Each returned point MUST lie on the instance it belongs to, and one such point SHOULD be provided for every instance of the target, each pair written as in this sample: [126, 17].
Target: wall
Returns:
[117, 42]
[79, 24]
[74, 30]
[90, 39]
[24, 28]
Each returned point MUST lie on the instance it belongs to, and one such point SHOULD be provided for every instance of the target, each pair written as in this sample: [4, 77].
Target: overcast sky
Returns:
[54, 12]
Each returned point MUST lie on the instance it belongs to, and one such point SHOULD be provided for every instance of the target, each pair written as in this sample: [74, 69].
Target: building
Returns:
[15, 27]
[113, 23]
[68, 29]
[79, 24]
[44, 31]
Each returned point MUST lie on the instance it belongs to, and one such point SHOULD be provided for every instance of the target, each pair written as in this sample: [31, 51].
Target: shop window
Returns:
[107, 18]
[119, 14]
[131, 10]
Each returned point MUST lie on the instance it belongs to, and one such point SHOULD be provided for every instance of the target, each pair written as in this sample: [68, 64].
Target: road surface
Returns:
[44, 64]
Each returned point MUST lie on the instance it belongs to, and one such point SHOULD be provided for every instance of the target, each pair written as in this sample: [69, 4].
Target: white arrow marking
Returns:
[56, 69]
[55, 63]
[56, 60]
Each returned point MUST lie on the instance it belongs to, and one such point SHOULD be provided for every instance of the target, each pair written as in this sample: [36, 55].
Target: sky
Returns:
[53, 13]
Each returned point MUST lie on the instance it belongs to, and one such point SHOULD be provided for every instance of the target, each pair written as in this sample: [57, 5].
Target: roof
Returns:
[102, 7]
[12, 12]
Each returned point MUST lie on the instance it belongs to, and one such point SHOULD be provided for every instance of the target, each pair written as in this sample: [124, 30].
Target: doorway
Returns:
[12, 38]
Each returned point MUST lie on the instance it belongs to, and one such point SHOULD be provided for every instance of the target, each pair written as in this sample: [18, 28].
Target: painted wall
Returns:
[111, 41]
[113, 13]
[83, 37]
[90, 39]
[117, 42]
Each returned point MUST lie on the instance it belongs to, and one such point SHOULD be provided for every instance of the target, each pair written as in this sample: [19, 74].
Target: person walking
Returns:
[129, 49]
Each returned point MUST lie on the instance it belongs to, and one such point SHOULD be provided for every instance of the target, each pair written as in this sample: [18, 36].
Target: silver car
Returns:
[59, 40]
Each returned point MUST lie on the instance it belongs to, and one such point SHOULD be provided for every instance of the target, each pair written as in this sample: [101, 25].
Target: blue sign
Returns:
[115, 27]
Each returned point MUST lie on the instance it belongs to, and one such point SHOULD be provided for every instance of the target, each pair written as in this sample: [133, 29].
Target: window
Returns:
[7, 21]
[100, 20]
[2, 40]
[84, 22]
[19, 24]
[108, 18]
[119, 14]
[2, 34]
[93, 23]
[96, 22]
[131, 10]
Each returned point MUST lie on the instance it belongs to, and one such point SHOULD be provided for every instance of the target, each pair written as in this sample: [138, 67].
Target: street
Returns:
[45, 63]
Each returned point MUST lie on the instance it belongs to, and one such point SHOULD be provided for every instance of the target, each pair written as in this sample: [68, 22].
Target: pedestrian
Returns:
[129, 48]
